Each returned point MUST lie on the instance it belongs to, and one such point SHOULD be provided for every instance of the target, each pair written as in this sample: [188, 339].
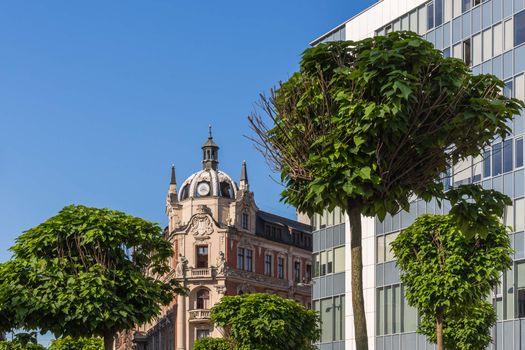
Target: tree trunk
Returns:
[358, 303]
[108, 341]
[439, 330]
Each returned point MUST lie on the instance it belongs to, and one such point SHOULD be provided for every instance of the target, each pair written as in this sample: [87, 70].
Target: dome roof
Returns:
[208, 183]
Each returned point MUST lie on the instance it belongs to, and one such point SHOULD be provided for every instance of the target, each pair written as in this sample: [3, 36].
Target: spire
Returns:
[244, 177]
[172, 191]
[210, 152]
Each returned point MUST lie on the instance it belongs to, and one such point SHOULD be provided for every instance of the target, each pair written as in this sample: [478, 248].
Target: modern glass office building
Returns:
[488, 35]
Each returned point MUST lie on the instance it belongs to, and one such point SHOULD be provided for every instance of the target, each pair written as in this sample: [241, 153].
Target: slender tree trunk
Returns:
[358, 302]
[108, 341]
[439, 330]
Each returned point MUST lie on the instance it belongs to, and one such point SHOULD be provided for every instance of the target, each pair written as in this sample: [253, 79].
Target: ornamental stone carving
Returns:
[201, 226]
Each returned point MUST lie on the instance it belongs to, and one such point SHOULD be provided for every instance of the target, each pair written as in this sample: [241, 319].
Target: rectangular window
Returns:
[317, 266]
[202, 333]
[245, 221]
[380, 312]
[268, 264]
[447, 12]
[486, 163]
[322, 270]
[467, 52]
[509, 34]
[409, 317]
[430, 16]
[519, 28]
[389, 254]
[465, 6]
[476, 50]
[496, 159]
[487, 44]
[422, 20]
[519, 209]
[327, 316]
[339, 317]
[498, 39]
[240, 258]
[507, 156]
[457, 51]
[202, 256]
[519, 152]
[509, 297]
[329, 261]
[457, 8]
[413, 21]
[308, 273]
[249, 260]
[476, 169]
[339, 259]
[381, 249]
[389, 315]
[297, 271]
[520, 283]
[280, 267]
[519, 87]
[439, 12]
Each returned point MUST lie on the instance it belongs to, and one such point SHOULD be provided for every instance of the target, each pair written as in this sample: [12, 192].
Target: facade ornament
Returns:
[182, 266]
[201, 226]
[222, 269]
[220, 289]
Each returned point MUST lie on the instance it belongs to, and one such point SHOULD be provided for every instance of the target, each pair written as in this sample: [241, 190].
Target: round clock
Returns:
[203, 189]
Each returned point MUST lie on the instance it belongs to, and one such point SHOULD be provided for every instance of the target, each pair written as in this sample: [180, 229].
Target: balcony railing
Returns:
[202, 314]
[206, 272]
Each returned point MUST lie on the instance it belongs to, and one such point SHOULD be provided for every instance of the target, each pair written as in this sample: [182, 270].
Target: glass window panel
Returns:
[389, 319]
[519, 87]
[508, 35]
[430, 16]
[519, 215]
[519, 28]
[438, 6]
[519, 245]
[397, 26]
[380, 249]
[381, 311]
[338, 311]
[487, 44]
[339, 259]
[404, 23]
[457, 51]
[422, 11]
[519, 152]
[329, 261]
[498, 39]
[409, 317]
[465, 5]
[342, 317]
[456, 8]
[317, 265]
[397, 309]
[413, 21]
[462, 172]
[389, 254]
[476, 49]
[329, 218]
[477, 164]
[496, 159]
[467, 51]
[323, 264]
[520, 275]
[519, 183]
[507, 155]
[509, 216]
[486, 163]
[447, 10]
[327, 314]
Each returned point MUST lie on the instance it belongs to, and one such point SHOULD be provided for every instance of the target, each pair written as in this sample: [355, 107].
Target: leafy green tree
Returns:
[266, 322]
[70, 343]
[87, 271]
[366, 125]
[447, 274]
[212, 344]
[22, 341]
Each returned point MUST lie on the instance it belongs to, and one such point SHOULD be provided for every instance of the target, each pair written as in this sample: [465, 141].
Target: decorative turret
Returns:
[172, 190]
[210, 153]
[243, 184]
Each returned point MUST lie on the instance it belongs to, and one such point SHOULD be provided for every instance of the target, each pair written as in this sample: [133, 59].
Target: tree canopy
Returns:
[212, 344]
[266, 322]
[87, 271]
[367, 125]
[448, 275]
[70, 343]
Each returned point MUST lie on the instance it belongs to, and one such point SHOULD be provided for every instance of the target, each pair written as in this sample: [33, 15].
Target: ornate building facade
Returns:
[224, 245]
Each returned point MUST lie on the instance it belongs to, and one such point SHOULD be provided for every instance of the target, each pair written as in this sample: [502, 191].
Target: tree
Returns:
[87, 271]
[70, 343]
[212, 344]
[266, 322]
[448, 274]
[366, 125]
[22, 341]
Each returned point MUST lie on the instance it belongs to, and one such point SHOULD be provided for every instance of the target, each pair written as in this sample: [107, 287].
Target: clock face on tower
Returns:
[203, 189]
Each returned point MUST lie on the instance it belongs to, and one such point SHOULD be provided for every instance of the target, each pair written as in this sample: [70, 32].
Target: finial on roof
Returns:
[209, 131]
[173, 180]
[244, 177]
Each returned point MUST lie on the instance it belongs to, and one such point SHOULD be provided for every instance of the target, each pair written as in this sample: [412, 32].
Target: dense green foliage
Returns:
[266, 322]
[13, 345]
[212, 344]
[85, 272]
[69, 343]
[467, 330]
[447, 275]
[376, 121]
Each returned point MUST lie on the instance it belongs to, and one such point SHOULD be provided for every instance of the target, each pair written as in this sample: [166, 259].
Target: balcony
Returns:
[199, 315]
[205, 272]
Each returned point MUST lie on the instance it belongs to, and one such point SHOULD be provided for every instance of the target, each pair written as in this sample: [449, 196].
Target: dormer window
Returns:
[245, 221]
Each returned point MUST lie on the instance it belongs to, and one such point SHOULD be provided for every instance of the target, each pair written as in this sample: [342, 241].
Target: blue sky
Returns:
[99, 98]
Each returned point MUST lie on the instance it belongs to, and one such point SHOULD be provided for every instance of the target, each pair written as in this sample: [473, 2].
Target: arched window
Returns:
[203, 296]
